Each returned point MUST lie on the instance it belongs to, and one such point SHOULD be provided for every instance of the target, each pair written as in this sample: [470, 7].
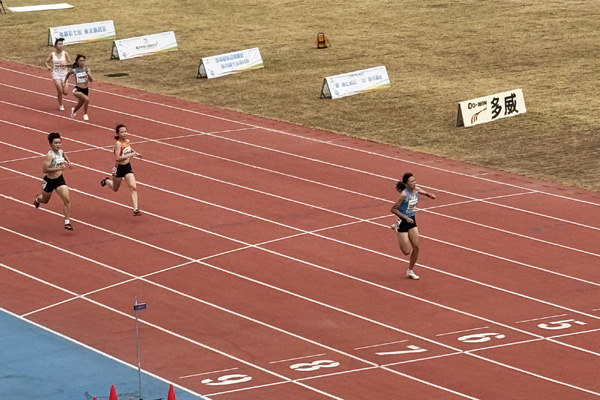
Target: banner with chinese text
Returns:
[83, 32]
[230, 63]
[355, 82]
[144, 45]
[490, 108]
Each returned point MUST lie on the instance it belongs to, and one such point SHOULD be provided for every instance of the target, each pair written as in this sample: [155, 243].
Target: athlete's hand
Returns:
[409, 220]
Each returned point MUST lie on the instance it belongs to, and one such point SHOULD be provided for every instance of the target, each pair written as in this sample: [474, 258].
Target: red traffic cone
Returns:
[113, 393]
[171, 395]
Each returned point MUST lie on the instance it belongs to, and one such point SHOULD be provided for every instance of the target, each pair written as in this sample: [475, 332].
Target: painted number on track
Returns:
[227, 380]
[315, 365]
[563, 324]
[481, 337]
[411, 349]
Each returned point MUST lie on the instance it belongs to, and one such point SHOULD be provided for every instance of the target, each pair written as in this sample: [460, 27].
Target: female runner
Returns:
[122, 170]
[406, 227]
[54, 164]
[81, 91]
[60, 62]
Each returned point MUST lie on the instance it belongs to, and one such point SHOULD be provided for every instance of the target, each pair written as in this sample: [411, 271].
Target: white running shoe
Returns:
[73, 112]
[85, 117]
[410, 274]
[394, 227]
[61, 108]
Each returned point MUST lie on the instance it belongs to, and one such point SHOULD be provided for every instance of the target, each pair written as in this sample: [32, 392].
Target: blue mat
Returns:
[37, 364]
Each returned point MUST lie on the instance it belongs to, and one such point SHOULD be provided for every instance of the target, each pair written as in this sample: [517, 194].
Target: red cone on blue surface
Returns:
[171, 395]
[113, 393]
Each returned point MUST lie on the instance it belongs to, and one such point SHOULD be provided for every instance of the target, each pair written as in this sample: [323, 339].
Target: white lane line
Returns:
[464, 330]
[326, 142]
[297, 202]
[167, 331]
[376, 285]
[103, 354]
[351, 277]
[297, 358]
[325, 305]
[538, 319]
[206, 373]
[274, 150]
[349, 216]
[373, 365]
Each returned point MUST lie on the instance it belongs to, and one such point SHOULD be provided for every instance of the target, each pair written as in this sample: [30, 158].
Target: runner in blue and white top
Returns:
[81, 91]
[406, 227]
[55, 162]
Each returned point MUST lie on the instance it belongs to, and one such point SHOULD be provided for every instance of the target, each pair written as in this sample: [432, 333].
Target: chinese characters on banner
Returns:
[490, 108]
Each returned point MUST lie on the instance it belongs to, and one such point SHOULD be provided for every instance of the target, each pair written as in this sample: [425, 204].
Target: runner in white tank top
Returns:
[60, 63]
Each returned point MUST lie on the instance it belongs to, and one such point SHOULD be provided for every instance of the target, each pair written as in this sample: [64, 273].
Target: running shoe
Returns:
[394, 227]
[85, 117]
[73, 112]
[410, 274]
[69, 227]
[137, 212]
[36, 204]
[61, 108]
[103, 181]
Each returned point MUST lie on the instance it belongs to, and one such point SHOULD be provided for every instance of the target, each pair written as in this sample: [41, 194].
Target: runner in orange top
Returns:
[122, 170]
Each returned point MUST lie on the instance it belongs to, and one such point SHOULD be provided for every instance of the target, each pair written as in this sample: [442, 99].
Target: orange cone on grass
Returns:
[171, 395]
[113, 393]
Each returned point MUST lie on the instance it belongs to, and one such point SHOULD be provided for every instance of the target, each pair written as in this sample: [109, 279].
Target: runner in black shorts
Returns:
[81, 91]
[55, 162]
[122, 170]
[406, 227]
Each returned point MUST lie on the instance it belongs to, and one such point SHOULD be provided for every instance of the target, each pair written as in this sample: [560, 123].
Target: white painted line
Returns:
[297, 358]
[326, 142]
[538, 319]
[85, 346]
[382, 344]
[465, 330]
[206, 373]
[424, 236]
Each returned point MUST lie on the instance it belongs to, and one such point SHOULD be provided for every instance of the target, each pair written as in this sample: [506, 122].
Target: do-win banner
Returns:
[230, 63]
[83, 32]
[355, 82]
[490, 108]
[144, 45]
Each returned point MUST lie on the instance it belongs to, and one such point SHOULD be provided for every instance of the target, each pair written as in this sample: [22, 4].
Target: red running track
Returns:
[267, 262]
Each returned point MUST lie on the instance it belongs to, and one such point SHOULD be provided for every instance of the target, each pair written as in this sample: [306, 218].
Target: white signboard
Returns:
[41, 7]
[355, 82]
[230, 63]
[83, 32]
[490, 108]
[144, 45]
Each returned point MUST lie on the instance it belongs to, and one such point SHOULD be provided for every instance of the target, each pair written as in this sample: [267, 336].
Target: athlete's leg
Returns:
[63, 192]
[413, 237]
[130, 179]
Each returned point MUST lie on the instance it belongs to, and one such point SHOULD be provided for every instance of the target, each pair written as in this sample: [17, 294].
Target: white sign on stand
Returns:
[490, 108]
[355, 82]
[230, 63]
[83, 32]
[144, 45]
[41, 7]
